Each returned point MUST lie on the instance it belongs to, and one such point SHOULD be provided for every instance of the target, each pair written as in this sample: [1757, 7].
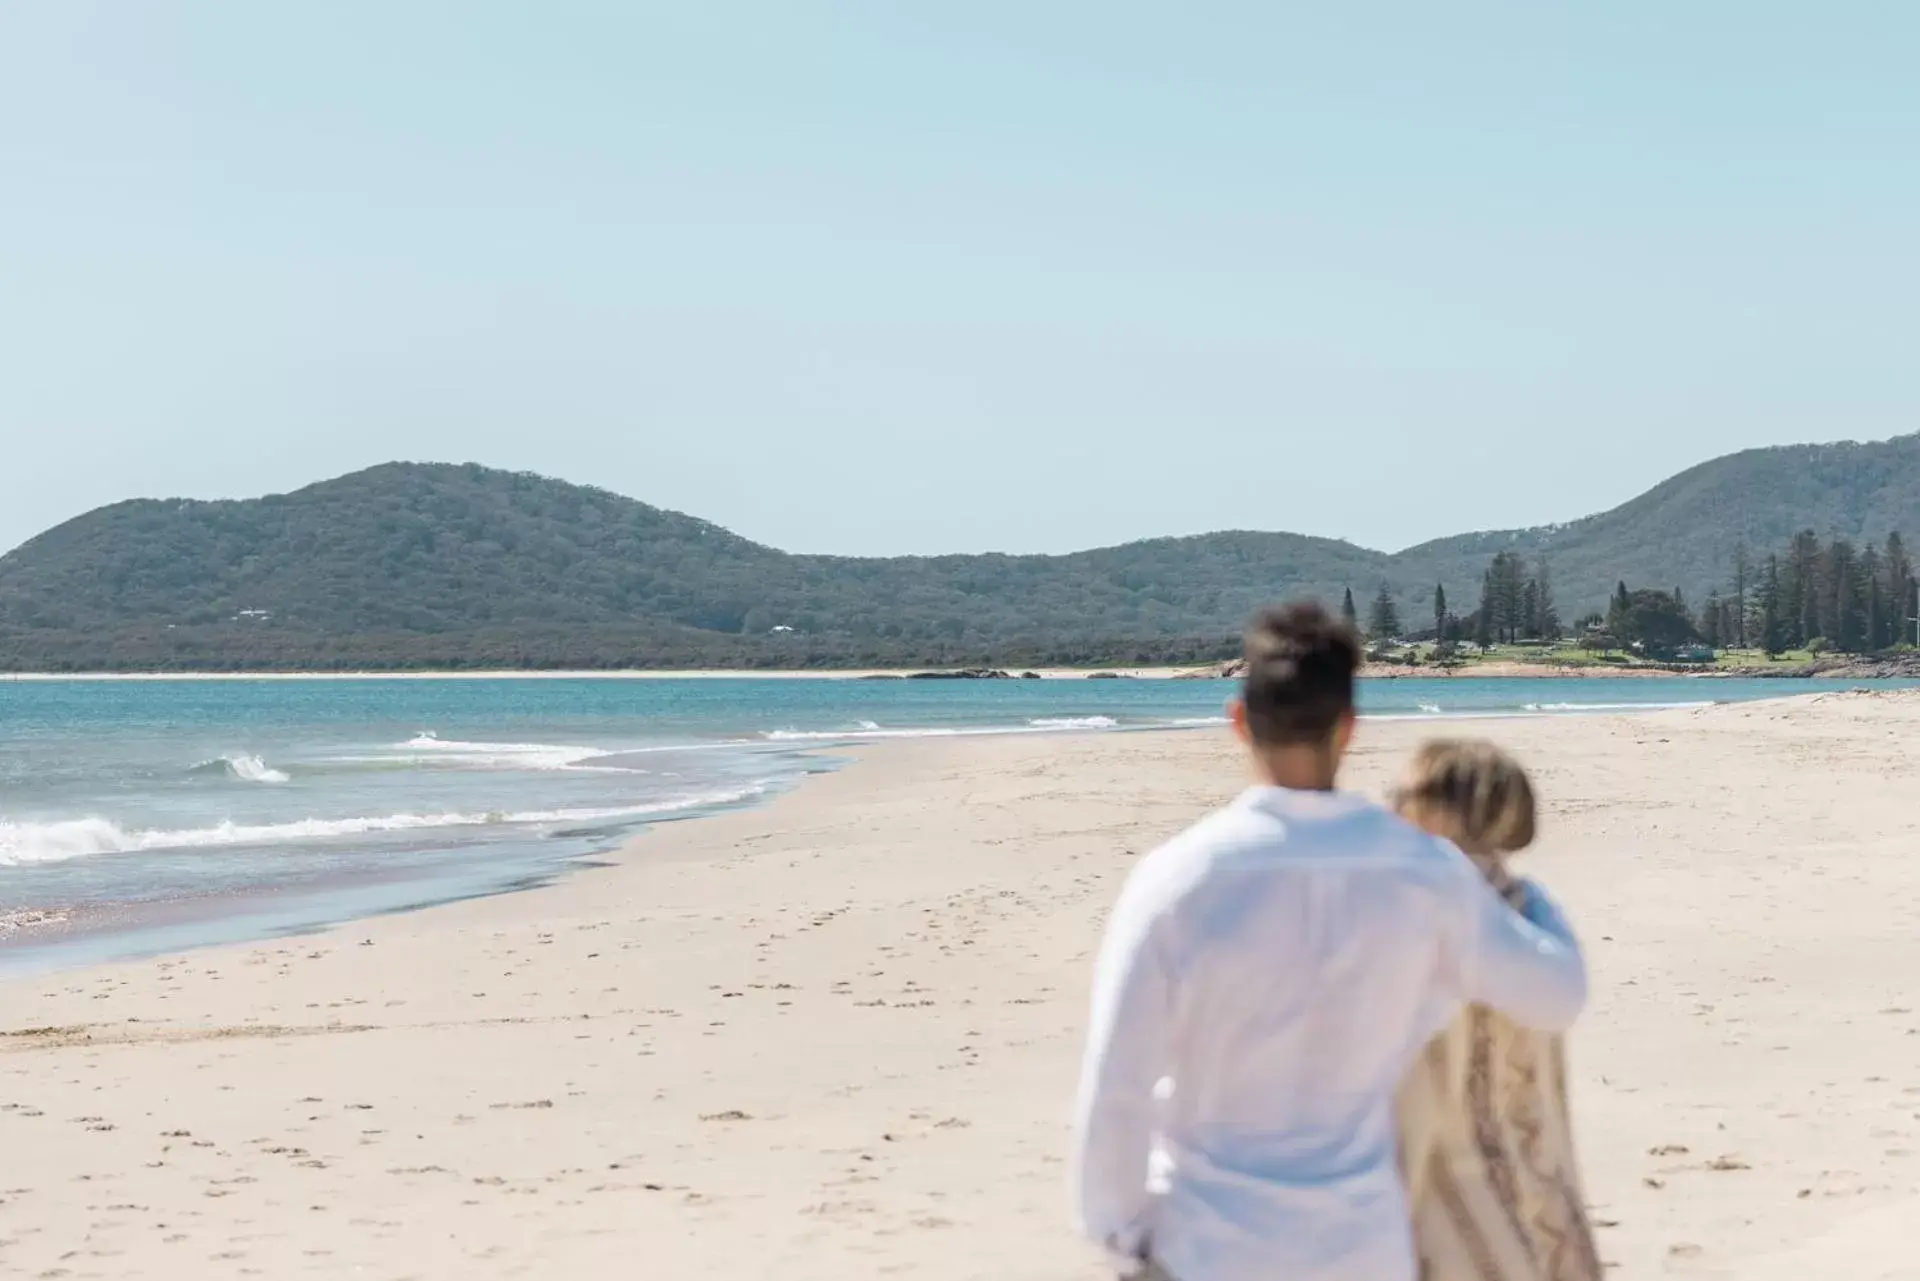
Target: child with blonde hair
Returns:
[1485, 1138]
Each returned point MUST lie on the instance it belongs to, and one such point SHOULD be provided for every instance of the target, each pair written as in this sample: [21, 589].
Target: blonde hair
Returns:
[1472, 791]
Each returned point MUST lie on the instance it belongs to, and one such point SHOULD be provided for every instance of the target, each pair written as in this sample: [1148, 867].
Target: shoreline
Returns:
[840, 1029]
[1483, 671]
[632, 674]
[58, 938]
[94, 933]
[61, 937]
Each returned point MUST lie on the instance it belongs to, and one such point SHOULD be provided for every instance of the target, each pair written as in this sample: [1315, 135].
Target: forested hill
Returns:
[429, 564]
[1684, 531]
[422, 565]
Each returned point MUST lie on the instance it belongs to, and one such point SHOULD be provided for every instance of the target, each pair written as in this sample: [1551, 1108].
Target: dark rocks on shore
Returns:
[1029, 676]
[1884, 667]
[964, 674]
[1231, 670]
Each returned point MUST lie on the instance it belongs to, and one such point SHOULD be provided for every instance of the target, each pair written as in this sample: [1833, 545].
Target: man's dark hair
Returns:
[1300, 666]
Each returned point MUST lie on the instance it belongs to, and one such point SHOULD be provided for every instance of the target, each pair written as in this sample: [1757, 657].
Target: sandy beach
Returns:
[835, 1036]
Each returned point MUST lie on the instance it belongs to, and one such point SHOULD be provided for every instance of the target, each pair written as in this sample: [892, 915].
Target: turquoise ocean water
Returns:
[143, 816]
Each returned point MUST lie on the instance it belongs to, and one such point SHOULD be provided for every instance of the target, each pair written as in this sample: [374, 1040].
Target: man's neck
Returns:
[1313, 768]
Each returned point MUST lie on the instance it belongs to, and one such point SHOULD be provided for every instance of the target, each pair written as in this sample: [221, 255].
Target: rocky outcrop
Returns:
[1860, 667]
[1232, 670]
[1880, 668]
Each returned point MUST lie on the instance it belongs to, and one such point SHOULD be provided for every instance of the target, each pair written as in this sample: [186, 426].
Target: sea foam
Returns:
[29, 918]
[245, 768]
[869, 730]
[1612, 707]
[23, 843]
[532, 756]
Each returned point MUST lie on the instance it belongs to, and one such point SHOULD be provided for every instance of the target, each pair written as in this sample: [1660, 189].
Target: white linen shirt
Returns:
[1266, 979]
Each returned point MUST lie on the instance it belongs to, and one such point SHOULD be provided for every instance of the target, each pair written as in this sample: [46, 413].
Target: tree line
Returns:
[1516, 604]
[1832, 596]
[1819, 596]
[239, 648]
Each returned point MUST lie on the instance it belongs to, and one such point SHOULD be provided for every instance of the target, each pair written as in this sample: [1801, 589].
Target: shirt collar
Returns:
[1286, 802]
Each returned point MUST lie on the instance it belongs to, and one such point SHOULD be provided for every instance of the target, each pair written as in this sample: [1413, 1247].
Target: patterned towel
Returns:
[1487, 1151]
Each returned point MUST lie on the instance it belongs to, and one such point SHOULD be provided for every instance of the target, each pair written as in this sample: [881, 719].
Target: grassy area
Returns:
[1571, 654]
[1758, 658]
[1560, 655]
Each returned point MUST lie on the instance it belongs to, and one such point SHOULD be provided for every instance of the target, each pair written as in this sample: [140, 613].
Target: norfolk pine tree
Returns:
[1383, 620]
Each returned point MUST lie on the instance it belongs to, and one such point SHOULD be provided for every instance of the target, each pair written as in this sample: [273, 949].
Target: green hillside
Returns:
[419, 565]
[429, 564]
[1685, 531]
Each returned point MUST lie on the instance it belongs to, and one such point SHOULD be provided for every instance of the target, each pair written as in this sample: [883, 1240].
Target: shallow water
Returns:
[141, 816]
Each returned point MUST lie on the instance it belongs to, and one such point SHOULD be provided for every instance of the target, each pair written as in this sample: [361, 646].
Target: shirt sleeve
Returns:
[1126, 1056]
[1526, 963]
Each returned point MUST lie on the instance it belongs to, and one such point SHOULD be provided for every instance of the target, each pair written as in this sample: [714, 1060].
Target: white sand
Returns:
[835, 1037]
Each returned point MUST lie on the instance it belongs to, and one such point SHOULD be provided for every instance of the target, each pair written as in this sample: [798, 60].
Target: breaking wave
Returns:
[869, 730]
[531, 756]
[23, 843]
[247, 769]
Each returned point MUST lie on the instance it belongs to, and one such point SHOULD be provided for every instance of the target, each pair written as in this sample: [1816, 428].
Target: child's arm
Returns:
[1524, 962]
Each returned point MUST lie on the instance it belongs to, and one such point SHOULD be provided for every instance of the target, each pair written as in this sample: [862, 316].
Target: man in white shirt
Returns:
[1266, 979]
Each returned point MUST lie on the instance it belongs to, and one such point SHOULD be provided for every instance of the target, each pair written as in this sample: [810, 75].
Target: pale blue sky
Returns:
[913, 277]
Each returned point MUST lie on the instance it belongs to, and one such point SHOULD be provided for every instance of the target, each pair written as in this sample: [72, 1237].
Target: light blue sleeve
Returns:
[1526, 964]
[1126, 1057]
